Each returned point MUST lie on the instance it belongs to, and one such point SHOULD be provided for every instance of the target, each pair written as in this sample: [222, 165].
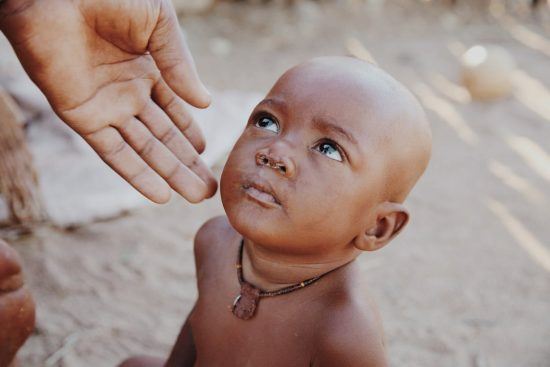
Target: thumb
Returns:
[174, 60]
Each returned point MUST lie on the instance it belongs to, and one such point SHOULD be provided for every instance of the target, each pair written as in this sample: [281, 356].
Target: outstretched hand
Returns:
[118, 73]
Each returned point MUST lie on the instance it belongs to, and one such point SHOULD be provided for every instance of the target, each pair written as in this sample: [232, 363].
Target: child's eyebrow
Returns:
[324, 124]
[273, 102]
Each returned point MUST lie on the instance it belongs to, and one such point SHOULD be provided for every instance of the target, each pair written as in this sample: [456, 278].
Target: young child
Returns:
[319, 175]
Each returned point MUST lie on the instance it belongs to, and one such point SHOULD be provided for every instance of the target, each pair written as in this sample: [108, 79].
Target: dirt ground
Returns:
[468, 282]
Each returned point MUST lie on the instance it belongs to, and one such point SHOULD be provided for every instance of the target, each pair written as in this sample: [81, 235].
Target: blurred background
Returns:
[467, 284]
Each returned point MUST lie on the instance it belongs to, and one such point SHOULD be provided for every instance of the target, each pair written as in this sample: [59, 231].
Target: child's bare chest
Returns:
[279, 334]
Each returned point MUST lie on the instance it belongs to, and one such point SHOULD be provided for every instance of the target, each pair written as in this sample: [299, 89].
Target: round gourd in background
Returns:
[487, 72]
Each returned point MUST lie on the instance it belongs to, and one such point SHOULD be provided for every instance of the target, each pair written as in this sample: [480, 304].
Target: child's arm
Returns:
[350, 338]
[350, 357]
[183, 354]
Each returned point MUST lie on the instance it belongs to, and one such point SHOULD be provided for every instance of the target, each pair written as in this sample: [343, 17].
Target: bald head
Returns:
[394, 124]
[331, 151]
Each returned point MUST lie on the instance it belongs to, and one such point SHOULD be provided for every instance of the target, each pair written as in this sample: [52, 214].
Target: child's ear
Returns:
[391, 219]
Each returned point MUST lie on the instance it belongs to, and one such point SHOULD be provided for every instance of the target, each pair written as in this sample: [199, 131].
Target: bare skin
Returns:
[319, 175]
[16, 306]
[118, 73]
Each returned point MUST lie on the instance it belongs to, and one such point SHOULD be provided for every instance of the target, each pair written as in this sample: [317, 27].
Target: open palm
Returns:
[118, 73]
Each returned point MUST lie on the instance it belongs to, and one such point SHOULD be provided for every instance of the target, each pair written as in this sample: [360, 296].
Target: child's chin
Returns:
[255, 223]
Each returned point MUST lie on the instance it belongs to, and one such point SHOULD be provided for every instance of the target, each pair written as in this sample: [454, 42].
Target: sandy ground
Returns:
[466, 284]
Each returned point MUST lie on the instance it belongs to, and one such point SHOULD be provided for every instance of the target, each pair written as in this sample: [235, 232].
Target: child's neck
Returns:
[271, 271]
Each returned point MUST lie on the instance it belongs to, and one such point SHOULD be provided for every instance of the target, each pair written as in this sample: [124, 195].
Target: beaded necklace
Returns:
[245, 304]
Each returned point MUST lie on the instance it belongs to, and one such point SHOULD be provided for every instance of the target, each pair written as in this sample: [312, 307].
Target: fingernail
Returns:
[208, 95]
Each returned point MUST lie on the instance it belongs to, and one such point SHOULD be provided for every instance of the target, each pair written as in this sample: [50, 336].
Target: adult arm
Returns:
[118, 73]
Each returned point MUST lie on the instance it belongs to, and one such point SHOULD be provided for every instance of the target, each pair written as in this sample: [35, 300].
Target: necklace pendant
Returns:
[246, 302]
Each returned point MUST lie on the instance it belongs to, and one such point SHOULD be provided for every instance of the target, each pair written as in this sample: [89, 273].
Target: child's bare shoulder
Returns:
[351, 336]
[212, 236]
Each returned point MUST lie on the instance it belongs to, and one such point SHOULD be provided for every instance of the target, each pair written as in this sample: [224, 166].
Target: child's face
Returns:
[310, 164]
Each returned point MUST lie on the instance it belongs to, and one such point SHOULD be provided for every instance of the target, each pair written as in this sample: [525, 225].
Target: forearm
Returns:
[183, 353]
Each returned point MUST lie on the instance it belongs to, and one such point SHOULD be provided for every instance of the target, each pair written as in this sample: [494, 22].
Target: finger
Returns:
[158, 157]
[175, 109]
[114, 151]
[17, 319]
[10, 262]
[174, 60]
[166, 132]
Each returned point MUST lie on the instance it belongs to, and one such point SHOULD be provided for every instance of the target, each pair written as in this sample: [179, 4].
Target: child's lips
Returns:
[261, 195]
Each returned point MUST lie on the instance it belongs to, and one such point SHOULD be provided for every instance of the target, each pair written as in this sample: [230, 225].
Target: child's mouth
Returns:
[262, 197]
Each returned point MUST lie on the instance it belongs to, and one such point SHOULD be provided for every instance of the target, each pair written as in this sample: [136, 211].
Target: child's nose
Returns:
[282, 164]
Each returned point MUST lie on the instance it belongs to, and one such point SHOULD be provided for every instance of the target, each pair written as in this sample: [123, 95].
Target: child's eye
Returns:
[330, 150]
[267, 124]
